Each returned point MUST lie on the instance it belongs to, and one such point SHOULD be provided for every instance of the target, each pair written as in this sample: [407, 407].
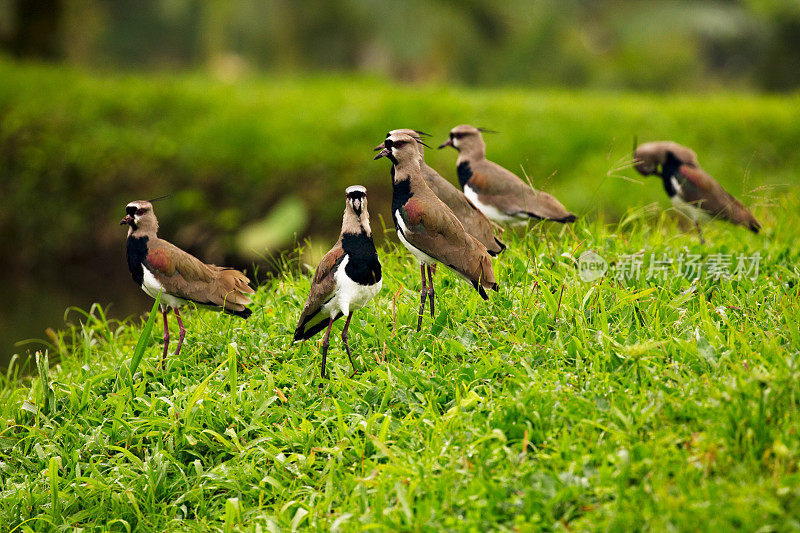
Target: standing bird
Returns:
[691, 189]
[498, 192]
[428, 228]
[347, 278]
[158, 266]
[473, 220]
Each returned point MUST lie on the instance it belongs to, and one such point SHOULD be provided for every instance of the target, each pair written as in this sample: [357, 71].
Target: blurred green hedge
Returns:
[75, 147]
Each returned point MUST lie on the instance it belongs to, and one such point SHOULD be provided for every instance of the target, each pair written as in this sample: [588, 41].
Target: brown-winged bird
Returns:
[691, 189]
[347, 278]
[473, 220]
[496, 191]
[158, 266]
[428, 228]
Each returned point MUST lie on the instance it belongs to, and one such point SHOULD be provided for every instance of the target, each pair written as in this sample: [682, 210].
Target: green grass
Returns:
[559, 404]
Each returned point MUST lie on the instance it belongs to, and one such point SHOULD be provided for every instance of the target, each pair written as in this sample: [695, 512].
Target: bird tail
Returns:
[500, 244]
[234, 292]
[311, 325]
[485, 279]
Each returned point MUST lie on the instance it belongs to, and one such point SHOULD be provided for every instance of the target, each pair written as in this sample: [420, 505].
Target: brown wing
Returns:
[700, 188]
[470, 217]
[323, 286]
[504, 190]
[433, 228]
[183, 275]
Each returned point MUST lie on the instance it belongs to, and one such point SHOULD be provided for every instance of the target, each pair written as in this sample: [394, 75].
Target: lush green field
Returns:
[75, 147]
[647, 403]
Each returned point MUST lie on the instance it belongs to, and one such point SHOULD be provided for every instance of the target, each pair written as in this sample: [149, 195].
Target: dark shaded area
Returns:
[37, 29]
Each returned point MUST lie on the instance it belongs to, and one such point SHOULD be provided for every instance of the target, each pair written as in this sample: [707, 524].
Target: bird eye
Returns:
[141, 211]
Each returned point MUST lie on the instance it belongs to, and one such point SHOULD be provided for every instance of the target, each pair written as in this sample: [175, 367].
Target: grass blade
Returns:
[138, 352]
[52, 471]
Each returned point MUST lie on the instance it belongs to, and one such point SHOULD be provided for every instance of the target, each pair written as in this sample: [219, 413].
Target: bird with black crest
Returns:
[428, 228]
[160, 267]
[692, 190]
[473, 220]
[347, 278]
[499, 193]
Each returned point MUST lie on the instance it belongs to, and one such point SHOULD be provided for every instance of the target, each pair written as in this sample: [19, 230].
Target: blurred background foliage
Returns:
[255, 115]
[632, 44]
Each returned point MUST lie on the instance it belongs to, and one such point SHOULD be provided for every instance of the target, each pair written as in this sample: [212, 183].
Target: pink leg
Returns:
[347, 346]
[165, 312]
[431, 292]
[325, 344]
[423, 294]
[181, 332]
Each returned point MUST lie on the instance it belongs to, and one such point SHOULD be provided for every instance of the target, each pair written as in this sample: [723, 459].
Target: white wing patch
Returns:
[151, 286]
[421, 256]
[691, 211]
[676, 185]
[491, 212]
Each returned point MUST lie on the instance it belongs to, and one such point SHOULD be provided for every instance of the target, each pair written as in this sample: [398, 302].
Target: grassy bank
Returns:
[647, 403]
[78, 146]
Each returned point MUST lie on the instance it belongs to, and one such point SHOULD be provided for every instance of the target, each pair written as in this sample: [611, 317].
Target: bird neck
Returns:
[353, 223]
[138, 231]
[472, 153]
[405, 168]
[146, 226]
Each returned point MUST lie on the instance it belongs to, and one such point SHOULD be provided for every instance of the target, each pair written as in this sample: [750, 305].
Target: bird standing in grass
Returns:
[498, 192]
[347, 278]
[473, 220]
[160, 267]
[428, 228]
[691, 189]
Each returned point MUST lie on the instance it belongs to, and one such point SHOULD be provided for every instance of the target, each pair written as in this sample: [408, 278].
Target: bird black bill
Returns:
[448, 142]
[383, 153]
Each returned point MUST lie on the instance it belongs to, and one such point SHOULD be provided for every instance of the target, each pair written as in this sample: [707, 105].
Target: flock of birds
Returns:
[435, 221]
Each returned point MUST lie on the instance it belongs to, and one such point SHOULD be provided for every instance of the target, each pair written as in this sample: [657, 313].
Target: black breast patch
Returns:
[670, 169]
[137, 253]
[401, 193]
[464, 173]
[363, 266]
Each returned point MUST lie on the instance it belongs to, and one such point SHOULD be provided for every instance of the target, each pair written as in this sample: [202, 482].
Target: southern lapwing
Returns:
[473, 220]
[428, 228]
[347, 278]
[691, 189]
[498, 192]
[158, 266]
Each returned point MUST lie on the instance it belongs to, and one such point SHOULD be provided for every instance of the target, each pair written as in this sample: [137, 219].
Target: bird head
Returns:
[401, 148]
[417, 134]
[139, 216]
[356, 199]
[648, 158]
[466, 139]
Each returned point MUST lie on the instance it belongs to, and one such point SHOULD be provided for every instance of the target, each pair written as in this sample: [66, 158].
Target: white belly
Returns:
[349, 295]
[421, 256]
[491, 212]
[692, 212]
[151, 286]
